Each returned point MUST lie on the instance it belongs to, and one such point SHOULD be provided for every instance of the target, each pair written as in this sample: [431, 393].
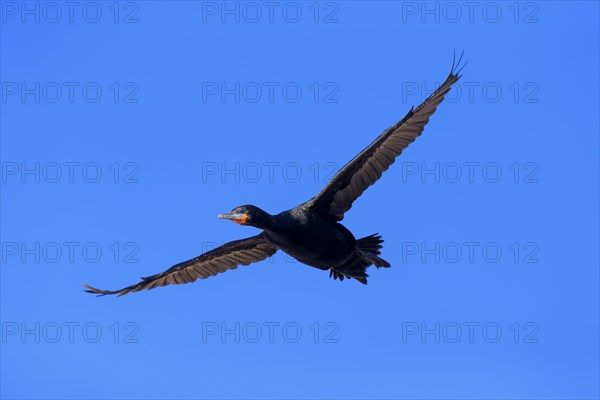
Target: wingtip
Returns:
[93, 290]
[457, 68]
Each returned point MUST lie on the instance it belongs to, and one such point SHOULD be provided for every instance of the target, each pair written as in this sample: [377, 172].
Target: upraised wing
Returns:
[211, 263]
[367, 167]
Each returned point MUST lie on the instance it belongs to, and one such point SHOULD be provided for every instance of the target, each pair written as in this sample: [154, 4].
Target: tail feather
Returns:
[371, 243]
[371, 246]
[379, 262]
[368, 250]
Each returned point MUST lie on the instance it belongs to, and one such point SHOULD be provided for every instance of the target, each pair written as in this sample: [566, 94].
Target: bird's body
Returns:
[311, 239]
[311, 232]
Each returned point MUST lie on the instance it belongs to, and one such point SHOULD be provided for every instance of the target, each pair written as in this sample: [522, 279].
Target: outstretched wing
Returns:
[368, 166]
[211, 263]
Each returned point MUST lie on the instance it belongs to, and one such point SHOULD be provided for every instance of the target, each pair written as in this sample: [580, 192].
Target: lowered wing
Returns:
[211, 263]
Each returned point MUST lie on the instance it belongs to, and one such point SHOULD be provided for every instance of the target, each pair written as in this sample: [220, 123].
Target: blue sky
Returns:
[127, 127]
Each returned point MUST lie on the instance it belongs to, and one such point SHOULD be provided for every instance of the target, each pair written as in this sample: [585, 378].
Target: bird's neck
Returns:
[266, 222]
[279, 223]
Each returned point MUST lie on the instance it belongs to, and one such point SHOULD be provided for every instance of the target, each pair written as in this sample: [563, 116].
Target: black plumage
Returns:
[311, 232]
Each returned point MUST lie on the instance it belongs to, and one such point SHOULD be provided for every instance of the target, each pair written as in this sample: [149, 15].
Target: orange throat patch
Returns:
[241, 221]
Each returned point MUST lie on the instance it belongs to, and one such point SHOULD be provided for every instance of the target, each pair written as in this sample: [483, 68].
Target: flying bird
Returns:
[311, 232]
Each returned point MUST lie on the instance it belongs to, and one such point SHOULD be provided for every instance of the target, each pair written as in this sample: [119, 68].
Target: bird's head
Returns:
[248, 215]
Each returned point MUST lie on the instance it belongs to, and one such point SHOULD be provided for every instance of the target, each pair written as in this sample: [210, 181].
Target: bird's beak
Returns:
[237, 218]
[231, 216]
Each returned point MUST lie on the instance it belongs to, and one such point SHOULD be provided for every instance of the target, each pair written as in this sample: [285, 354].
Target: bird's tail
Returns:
[368, 251]
[371, 246]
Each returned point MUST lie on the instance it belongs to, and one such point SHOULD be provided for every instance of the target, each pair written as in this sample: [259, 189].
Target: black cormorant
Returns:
[311, 232]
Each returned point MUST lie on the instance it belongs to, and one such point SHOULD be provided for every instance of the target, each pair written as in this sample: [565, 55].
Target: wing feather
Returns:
[211, 263]
[368, 166]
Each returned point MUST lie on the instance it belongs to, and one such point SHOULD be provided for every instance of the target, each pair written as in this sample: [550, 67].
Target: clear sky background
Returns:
[126, 127]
